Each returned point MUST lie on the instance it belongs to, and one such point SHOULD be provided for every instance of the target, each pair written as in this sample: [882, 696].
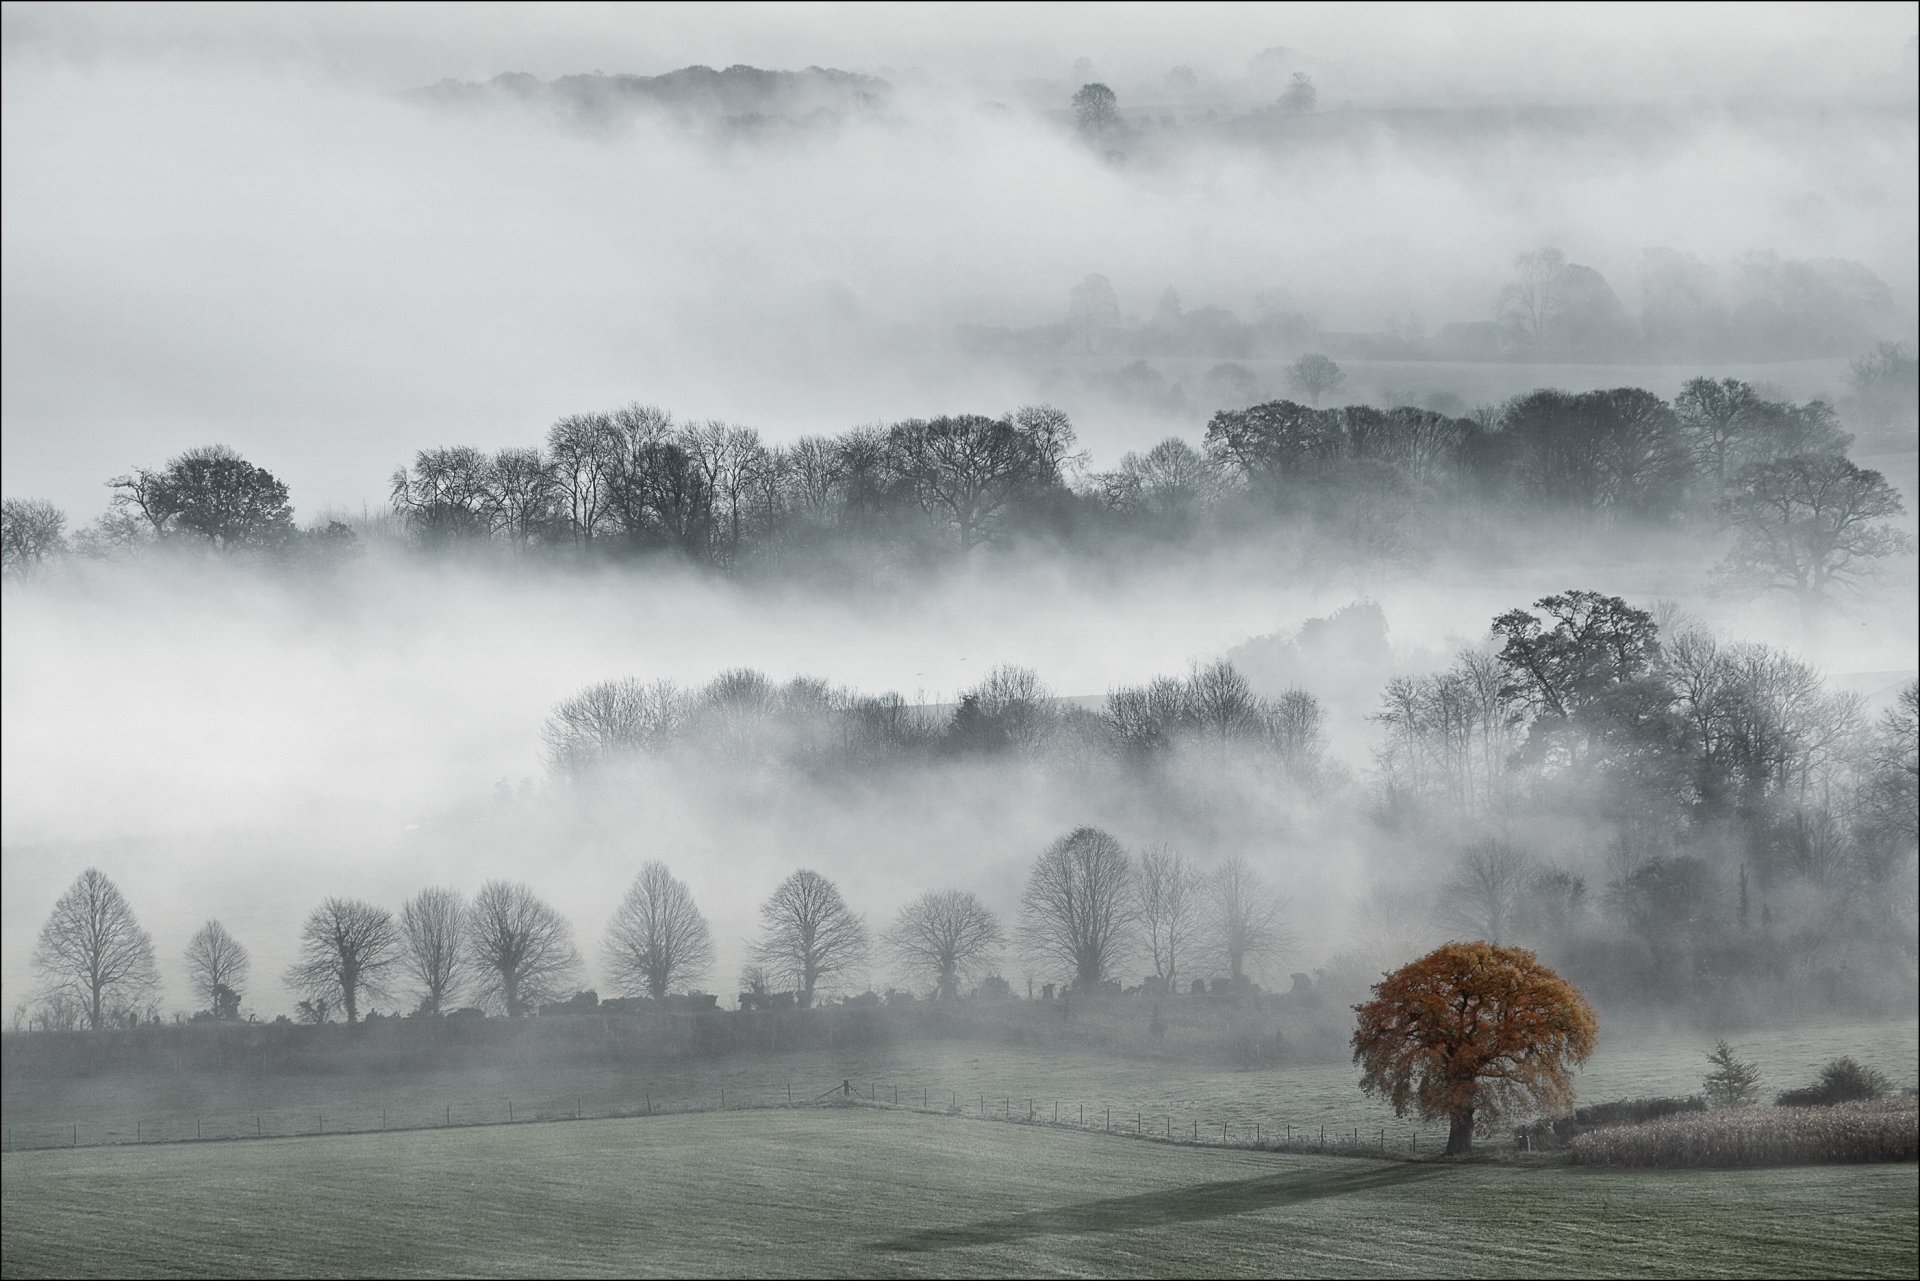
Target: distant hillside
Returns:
[739, 95]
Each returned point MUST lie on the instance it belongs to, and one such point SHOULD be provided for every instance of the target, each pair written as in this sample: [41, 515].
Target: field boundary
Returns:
[1191, 1129]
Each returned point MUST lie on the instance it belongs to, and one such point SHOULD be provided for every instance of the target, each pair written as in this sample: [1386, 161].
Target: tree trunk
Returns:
[1460, 1133]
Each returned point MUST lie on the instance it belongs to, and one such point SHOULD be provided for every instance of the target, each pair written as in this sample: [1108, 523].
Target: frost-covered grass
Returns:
[1129, 1093]
[1882, 1130]
[874, 1192]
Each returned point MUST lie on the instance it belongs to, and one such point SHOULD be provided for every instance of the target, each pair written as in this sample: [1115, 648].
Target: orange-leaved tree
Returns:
[1470, 1031]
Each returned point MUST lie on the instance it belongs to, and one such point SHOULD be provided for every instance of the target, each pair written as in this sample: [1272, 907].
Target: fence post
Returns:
[323, 1123]
[923, 1098]
[1083, 1116]
[383, 1114]
[76, 1134]
[449, 1114]
[1109, 1119]
[896, 1095]
[1223, 1131]
[196, 1128]
[983, 1105]
[1416, 1142]
[1029, 1109]
[1056, 1111]
[1139, 1123]
[1196, 1131]
[1169, 1125]
[256, 1125]
[136, 1132]
[649, 1099]
[1256, 1134]
[1289, 1132]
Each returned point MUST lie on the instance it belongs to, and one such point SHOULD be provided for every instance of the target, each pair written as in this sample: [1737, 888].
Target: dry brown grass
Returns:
[1881, 1130]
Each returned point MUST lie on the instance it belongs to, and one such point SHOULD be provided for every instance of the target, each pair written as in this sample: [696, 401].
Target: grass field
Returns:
[118, 1109]
[862, 1192]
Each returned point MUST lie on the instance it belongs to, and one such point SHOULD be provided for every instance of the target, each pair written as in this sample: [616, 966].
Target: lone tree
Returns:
[1469, 1031]
[1095, 109]
[947, 937]
[93, 952]
[1079, 906]
[1314, 376]
[1730, 1082]
[520, 950]
[808, 933]
[1300, 95]
[433, 928]
[348, 948]
[216, 968]
[657, 939]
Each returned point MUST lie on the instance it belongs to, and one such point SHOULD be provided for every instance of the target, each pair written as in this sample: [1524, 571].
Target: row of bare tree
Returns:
[1087, 910]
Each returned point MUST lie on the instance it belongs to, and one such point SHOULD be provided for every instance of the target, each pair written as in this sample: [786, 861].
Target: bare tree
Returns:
[216, 968]
[520, 950]
[1488, 882]
[433, 927]
[93, 950]
[30, 534]
[1535, 299]
[657, 940]
[1314, 376]
[347, 948]
[1079, 907]
[1169, 908]
[948, 937]
[1809, 525]
[1244, 919]
[612, 719]
[808, 934]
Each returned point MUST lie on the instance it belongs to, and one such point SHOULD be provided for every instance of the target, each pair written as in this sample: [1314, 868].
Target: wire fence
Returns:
[1201, 1125]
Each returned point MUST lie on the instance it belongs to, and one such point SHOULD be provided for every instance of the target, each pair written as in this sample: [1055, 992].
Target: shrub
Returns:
[1841, 1081]
[1879, 1130]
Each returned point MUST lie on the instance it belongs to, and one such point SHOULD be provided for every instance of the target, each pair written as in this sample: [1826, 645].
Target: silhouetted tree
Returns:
[348, 948]
[1243, 919]
[1808, 526]
[212, 493]
[30, 535]
[1080, 905]
[94, 951]
[657, 940]
[809, 936]
[520, 951]
[1170, 909]
[1314, 376]
[945, 937]
[433, 927]
[216, 968]
[1095, 109]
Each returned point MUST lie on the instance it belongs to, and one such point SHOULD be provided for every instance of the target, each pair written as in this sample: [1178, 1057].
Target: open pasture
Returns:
[858, 1192]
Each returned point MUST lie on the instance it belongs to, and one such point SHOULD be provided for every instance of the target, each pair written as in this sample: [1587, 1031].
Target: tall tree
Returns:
[519, 949]
[348, 949]
[1469, 1031]
[1078, 911]
[657, 940]
[217, 969]
[1809, 525]
[809, 936]
[1093, 310]
[1244, 919]
[945, 937]
[93, 951]
[1170, 906]
[433, 929]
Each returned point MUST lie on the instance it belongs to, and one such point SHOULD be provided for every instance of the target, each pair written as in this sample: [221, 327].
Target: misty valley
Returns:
[929, 656]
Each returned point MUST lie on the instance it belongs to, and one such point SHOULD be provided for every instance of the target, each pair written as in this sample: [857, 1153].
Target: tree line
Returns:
[1089, 909]
[1721, 460]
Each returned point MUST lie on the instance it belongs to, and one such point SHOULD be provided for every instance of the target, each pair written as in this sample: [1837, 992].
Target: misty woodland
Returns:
[1162, 651]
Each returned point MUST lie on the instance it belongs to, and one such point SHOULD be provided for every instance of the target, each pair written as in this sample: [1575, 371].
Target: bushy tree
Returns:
[1314, 375]
[1810, 526]
[30, 535]
[433, 929]
[1096, 109]
[212, 493]
[1469, 1032]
